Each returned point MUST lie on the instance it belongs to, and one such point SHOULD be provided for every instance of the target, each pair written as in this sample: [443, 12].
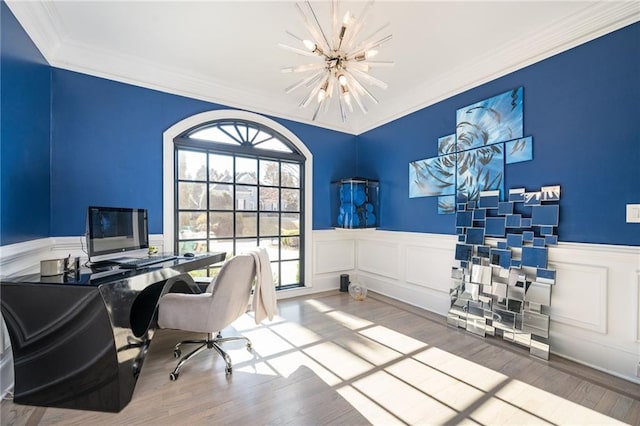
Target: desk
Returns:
[80, 341]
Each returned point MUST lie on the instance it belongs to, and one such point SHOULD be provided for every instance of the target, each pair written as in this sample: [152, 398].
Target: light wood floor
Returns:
[329, 359]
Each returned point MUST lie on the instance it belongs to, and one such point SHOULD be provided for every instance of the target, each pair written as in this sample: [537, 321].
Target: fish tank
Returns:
[355, 203]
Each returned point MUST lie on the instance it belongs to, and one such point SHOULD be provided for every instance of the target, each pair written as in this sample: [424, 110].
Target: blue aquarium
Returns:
[356, 203]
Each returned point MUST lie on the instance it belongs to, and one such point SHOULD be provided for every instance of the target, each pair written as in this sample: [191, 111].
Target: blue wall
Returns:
[107, 149]
[581, 107]
[103, 140]
[24, 135]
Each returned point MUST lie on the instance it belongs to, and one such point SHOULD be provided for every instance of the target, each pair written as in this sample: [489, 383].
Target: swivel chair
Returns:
[224, 301]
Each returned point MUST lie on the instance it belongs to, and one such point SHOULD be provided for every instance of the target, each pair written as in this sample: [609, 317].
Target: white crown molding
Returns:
[595, 21]
[42, 23]
[45, 28]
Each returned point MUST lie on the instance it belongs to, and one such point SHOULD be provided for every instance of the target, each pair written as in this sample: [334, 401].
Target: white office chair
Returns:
[224, 301]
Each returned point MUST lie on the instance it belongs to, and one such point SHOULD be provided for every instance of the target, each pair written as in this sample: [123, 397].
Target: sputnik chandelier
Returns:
[343, 71]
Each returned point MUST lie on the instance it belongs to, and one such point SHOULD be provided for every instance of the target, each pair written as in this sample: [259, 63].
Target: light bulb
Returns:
[309, 45]
[347, 18]
[342, 79]
[370, 53]
[321, 95]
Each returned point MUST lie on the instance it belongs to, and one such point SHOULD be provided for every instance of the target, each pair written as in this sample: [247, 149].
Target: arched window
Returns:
[239, 181]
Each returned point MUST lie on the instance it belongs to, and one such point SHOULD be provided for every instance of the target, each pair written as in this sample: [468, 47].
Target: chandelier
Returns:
[343, 73]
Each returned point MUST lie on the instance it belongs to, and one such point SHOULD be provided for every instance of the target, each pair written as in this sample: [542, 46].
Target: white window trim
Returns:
[168, 169]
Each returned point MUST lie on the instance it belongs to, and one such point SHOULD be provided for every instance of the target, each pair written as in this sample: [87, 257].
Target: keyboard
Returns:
[135, 263]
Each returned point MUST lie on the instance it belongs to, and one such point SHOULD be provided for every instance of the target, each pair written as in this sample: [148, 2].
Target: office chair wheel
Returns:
[249, 347]
[173, 376]
[228, 370]
[177, 353]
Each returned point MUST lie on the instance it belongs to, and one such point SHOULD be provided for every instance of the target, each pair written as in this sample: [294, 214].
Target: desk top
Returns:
[88, 278]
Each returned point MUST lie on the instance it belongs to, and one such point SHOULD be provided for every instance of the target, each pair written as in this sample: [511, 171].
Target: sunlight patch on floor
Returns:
[392, 378]
[403, 400]
[267, 343]
[287, 364]
[367, 349]
[337, 359]
[350, 321]
[467, 371]
[373, 412]
[261, 368]
[549, 406]
[296, 334]
[318, 305]
[397, 341]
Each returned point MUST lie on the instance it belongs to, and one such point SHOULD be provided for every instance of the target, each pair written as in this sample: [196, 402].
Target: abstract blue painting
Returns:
[488, 134]
[480, 169]
[518, 150]
[497, 119]
[447, 144]
[446, 204]
[433, 176]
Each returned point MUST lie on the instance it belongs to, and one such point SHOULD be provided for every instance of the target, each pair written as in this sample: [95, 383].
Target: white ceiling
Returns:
[227, 51]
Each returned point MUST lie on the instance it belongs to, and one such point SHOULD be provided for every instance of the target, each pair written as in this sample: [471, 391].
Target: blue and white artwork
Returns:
[433, 176]
[480, 169]
[447, 204]
[488, 134]
[497, 119]
[518, 150]
[447, 144]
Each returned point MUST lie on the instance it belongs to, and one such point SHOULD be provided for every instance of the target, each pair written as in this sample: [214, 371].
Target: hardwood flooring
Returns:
[328, 359]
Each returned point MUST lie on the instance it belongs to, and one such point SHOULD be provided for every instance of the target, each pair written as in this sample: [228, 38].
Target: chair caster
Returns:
[173, 376]
[249, 347]
[177, 353]
[228, 371]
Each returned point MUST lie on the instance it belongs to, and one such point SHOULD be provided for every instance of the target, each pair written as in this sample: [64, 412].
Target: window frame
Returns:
[201, 120]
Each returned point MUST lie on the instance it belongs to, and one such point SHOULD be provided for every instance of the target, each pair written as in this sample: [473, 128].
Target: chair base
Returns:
[209, 343]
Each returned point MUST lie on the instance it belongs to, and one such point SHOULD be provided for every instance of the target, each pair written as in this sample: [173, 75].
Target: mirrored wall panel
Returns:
[501, 284]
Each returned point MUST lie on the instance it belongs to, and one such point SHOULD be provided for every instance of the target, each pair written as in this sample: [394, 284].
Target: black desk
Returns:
[80, 341]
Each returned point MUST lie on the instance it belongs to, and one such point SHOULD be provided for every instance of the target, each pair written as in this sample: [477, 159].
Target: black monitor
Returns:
[116, 230]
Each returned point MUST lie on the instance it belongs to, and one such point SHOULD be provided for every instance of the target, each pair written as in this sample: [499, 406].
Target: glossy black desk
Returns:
[80, 341]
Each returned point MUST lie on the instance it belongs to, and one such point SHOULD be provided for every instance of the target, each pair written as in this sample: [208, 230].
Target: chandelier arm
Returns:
[294, 36]
[357, 65]
[309, 80]
[304, 68]
[369, 46]
[315, 114]
[343, 113]
[313, 31]
[359, 87]
[296, 50]
[373, 35]
[313, 13]
[314, 92]
[334, 22]
[358, 99]
[369, 78]
[378, 64]
[357, 26]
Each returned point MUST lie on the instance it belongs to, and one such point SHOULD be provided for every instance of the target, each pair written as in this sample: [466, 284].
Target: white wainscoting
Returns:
[595, 308]
[595, 304]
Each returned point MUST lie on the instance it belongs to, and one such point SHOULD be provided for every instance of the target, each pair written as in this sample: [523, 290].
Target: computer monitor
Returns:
[116, 230]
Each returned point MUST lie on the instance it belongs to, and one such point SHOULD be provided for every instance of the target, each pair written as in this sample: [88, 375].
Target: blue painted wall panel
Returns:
[24, 135]
[581, 107]
[107, 149]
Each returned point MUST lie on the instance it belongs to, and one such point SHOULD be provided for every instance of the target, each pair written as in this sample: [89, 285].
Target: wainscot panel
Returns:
[334, 256]
[579, 297]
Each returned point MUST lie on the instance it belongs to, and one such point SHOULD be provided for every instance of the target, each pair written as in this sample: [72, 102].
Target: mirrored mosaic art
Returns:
[502, 283]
